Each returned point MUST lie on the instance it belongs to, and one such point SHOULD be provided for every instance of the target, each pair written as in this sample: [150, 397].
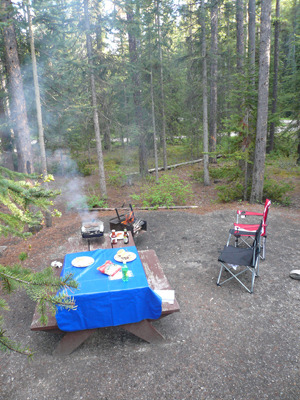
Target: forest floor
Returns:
[75, 188]
[224, 344]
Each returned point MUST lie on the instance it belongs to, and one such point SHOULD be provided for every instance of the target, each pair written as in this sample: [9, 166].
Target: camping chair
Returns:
[232, 258]
[244, 232]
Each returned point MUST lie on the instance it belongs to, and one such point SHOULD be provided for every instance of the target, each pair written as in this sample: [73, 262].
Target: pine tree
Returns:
[262, 106]
[18, 104]
[204, 83]
[18, 192]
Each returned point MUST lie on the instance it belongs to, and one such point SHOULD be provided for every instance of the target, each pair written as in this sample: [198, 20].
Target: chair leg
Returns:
[242, 240]
[256, 268]
[233, 276]
[253, 279]
[236, 241]
[264, 248]
[228, 241]
[219, 277]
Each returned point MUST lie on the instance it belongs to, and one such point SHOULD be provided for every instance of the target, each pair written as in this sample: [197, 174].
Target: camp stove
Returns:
[128, 221]
[92, 228]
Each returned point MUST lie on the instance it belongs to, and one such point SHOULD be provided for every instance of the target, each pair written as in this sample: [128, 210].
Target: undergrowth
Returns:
[277, 181]
[90, 201]
[170, 191]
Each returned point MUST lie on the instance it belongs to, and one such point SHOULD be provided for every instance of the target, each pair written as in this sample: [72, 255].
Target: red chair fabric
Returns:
[249, 230]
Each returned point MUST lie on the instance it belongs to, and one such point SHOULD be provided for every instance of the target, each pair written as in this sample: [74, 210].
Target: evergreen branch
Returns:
[16, 279]
[36, 284]
[17, 192]
[63, 300]
[3, 305]
[50, 303]
[8, 344]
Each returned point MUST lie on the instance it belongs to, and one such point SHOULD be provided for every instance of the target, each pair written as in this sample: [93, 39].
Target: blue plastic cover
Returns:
[103, 302]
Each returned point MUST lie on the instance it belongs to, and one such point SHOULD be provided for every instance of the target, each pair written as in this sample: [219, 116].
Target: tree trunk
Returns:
[48, 214]
[99, 40]
[153, 113]
[107, 134]
[229, 61]
[5, 134]
[262, 105]
[204, 83]
[162, 92]
[275, 78]
[213, 81]
[251, 47]
[37, 96]
[143, 162]
[240, 36]
[154, 129]
[250, 126]
[94, 103]
[18, 104]
[240, 49]
[298, 148]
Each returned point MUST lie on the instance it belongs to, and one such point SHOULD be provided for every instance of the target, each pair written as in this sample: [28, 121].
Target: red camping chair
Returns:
[247, 231]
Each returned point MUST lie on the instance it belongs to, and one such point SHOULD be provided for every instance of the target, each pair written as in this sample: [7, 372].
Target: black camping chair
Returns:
[233, 258]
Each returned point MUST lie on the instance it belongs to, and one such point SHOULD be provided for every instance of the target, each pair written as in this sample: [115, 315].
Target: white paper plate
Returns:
[120, 235]
[128, 256]
[81, 262]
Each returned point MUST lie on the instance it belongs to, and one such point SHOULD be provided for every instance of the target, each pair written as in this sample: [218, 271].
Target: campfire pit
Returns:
[128, 221]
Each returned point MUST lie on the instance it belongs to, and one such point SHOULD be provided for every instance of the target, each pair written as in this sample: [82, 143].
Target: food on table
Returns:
[109, 268]
[82, 262]
[123, 255]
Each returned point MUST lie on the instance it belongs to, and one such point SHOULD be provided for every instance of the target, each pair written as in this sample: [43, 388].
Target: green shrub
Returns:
[228, 172]
[117, 178]
[284, 145]
[276, 191]
[198, 176]
[90, 201]
[168, 192]
[273, 190]
[23, 256]
[54, 168]
[95, 201]
[85, 168]
[230, 192]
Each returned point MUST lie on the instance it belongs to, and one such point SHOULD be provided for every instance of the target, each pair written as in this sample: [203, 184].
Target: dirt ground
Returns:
[75, 188]
[224, 344]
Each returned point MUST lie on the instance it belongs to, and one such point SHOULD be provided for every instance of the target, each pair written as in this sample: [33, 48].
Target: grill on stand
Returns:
[128, 221]
[91, 229]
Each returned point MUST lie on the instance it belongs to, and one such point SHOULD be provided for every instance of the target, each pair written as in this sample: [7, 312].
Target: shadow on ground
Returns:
[225, 343]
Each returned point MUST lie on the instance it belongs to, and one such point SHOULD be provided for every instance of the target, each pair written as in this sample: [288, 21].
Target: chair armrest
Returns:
[241, 212]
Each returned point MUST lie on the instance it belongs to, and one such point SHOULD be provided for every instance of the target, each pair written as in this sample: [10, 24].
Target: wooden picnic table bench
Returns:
[143, 329]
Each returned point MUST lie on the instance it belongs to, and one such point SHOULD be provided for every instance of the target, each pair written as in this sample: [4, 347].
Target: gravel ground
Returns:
[224, 344]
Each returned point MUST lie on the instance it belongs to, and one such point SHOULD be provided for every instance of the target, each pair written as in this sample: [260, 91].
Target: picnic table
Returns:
[144, 329]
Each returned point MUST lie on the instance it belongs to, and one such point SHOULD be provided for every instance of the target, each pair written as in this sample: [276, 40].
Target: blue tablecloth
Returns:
[103, 302]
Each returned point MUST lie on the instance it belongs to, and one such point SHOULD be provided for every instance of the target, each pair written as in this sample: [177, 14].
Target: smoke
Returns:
[75, 193]
[67, 179]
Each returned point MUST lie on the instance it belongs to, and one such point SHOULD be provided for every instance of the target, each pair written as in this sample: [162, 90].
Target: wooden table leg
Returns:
[71, 341]
[144, 330]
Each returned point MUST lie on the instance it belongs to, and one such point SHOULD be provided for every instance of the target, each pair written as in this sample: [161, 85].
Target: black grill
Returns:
[92, 228]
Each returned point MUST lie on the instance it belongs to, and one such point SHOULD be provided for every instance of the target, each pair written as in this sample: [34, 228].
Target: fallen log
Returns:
[176, 165]
[169, 166]
[137, 208]
[166, 208]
